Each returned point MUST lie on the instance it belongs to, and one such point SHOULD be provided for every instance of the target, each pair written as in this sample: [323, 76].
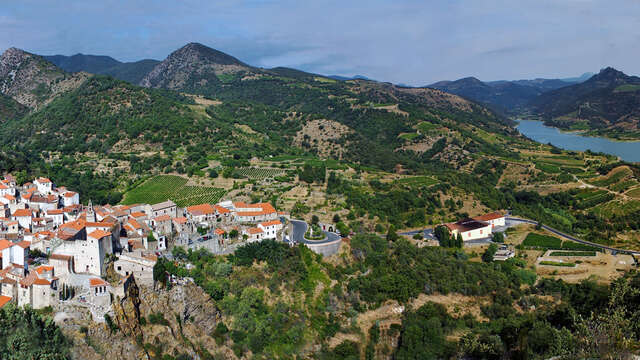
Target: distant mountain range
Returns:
[504, 96]
[608, 102]
[132, 72]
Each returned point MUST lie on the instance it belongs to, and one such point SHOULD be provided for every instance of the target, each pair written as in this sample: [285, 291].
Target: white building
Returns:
[164, 208]
[270, 228]
[470, 229]
[254, 212]
[494, 219]
[44, 185]
[70, 198]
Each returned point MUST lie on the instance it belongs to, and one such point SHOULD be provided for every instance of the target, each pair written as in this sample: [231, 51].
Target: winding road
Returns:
[299, 228]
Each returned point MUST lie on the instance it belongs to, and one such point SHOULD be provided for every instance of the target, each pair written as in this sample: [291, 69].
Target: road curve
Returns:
[572, 238]
[299, 228]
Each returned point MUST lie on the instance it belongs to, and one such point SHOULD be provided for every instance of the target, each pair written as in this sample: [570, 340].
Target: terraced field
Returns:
[169, 187]
[259, 173]
[417, 180]
[635, 193]
[614, 176]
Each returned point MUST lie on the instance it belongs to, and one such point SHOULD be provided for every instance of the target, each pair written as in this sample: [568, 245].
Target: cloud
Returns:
[413, 42]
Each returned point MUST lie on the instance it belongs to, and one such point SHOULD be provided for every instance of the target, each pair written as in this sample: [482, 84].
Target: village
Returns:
[58, 252]
[55, 250]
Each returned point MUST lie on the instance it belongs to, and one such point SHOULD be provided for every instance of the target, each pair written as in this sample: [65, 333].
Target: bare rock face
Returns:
[33, 81]
[192, 67]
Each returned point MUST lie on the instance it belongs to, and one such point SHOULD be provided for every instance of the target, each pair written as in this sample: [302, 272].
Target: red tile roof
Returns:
[271, 223]
[99, 234]
[4, 244]
[488, 217]
[253, 231]
[93, 282]
[4, 300]
[22, 212]
[219, 232]
[202, 209]
[162, 218]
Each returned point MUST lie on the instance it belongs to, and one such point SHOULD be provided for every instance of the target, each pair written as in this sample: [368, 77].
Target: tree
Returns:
[391, 234]
[315, 220]
[160, 271]
[443, 235]
[336, 218]
[233, 233]
[497, 237]
[213, 173]
[459, 241]
[488, 255]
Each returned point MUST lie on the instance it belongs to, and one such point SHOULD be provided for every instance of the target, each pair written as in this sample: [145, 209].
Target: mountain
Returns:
[195, 68]
[33, 81]
[132, 72]
[345, 78]
[507, 96]
[504, 96]
[582, 78]
[11, 109]
[608, 101]
[93, 64]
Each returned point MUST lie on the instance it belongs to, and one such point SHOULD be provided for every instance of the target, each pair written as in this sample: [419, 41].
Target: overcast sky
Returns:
[411, 42]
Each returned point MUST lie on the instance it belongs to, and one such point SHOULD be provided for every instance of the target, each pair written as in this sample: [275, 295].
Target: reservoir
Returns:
[536, 130]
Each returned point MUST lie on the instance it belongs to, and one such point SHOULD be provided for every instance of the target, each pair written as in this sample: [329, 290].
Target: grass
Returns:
[617, 208]
[169, 187]
[613, 177]
[546, 242]
[557, 263]
[542, 241]
[548, 168]
[623, 186]
[425, 127]
[409, 136]
[627, 88]
[573, 253]
[417, 180]
[634, 192]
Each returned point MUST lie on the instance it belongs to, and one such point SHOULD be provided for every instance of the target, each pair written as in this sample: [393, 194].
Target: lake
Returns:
[536, 130]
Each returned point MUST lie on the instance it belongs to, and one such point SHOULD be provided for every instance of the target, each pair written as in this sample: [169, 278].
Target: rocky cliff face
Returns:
[183, 320]
[33, 81]
[194, 68]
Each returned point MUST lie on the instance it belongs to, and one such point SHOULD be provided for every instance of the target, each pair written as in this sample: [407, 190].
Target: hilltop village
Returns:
[53, 248]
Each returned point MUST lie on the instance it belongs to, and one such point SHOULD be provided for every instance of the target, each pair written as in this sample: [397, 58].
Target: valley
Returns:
[203, 129]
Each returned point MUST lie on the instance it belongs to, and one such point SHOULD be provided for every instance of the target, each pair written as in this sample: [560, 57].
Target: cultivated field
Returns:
[169, 187]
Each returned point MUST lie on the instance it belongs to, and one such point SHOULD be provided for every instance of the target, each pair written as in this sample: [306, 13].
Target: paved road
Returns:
[299, 228]
[572, 238]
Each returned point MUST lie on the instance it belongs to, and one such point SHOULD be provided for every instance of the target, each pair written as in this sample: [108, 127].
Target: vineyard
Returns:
[544, 242]
[168, 187]
[259, 173]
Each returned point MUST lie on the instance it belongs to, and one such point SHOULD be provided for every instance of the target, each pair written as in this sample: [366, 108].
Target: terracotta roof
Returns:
[221, 210]
[162, 218]
[219, 232]
[253, 231]
[271, 223]
[202, 209]
[10, 197]
[99, 234]
[93, 282]
[488, 217]
[180, 220]
[42, 268]
[23, 244]
[4, 244]
[43, 180]
[39, 281]
[55, 212]
[466, 225]
[3, 186]
[69, 194]
[134, 224]
[4, 300]
[22, 212]
[138, 214]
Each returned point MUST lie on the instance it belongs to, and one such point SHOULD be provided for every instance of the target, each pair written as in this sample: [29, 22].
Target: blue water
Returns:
[626, 150]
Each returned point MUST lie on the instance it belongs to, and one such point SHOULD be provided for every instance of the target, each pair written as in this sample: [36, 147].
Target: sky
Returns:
[409, 42]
